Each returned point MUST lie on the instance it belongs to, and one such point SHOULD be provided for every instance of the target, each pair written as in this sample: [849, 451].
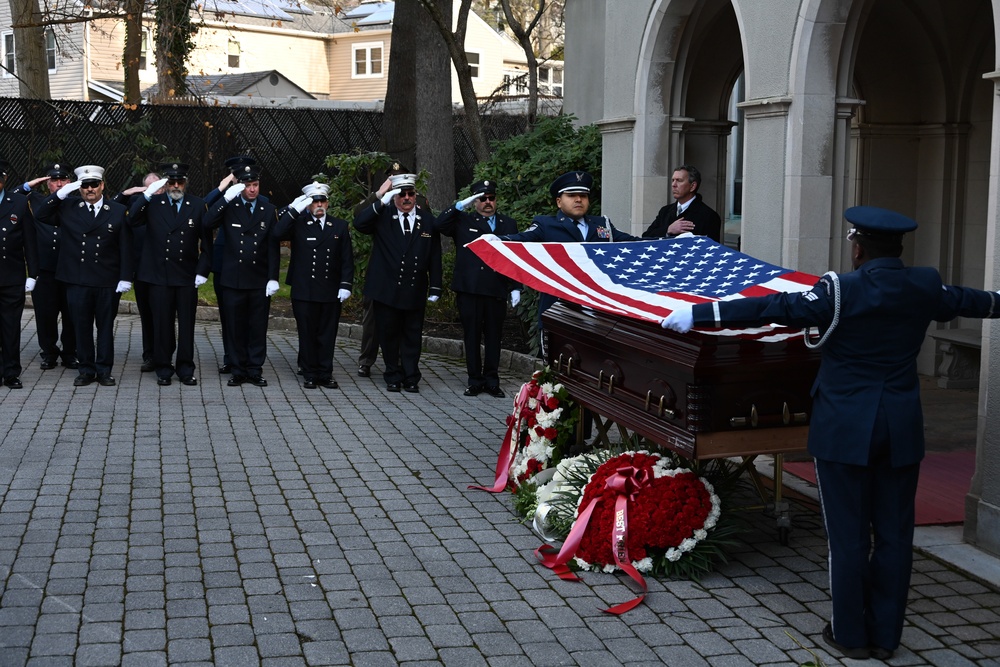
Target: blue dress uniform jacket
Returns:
[94, 251]
[471, 274]
[322, 261]
[18, 248]
[178, 244]
[870, 358]
[251, 255]
[402, 272]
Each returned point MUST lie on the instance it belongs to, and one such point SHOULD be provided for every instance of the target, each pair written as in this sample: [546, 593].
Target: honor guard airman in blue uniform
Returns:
[866, 430]
[49, 296]
[480, 292]
[570, 224]
[18, 272]
[321, 273]
[175, 261]
[248, 272]
[95, 262]
[404, 273]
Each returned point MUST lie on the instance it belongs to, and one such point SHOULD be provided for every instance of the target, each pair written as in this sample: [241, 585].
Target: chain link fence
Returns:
[128, 140]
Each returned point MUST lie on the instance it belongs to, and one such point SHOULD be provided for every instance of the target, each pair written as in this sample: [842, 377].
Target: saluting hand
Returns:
[468, 200]
[154, 188]
[387, 197]
[233, 191]
[299, 203]
[65, 190]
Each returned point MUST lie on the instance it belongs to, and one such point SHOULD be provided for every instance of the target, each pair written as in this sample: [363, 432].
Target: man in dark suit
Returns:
[49, 295]
[248, 273]
[175, 260]
[688, 213]
[95, 262]
[866, 431]
[570, 224]
[18, 270]
[480, 292]
[405, 267]
[143, 297]
[321, 272]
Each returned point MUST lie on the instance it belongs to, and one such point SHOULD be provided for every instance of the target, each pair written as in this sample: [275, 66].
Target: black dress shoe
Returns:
[83, 380]
[13, 383]
[880, 653]
[329, 384]
[412, 388]
[147, 366]
[189, 380]
[71, 362]
[309, 384]
[298, 371]
[48, 364]
[106, 381]
[225, 368]
[472, 391]
[393, 386]
[236, 381]
[364, 371]
[495, 392]
[257, 381]
[163, 382]
[861, 653]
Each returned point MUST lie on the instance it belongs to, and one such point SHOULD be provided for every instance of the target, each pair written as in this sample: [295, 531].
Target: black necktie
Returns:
[91, 207]
[406, 224]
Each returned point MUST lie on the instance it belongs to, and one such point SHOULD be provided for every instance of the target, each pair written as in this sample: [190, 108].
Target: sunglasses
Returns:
[90, 184]
[176, 181]
[316, 199]
[488, 198]
[407, 193]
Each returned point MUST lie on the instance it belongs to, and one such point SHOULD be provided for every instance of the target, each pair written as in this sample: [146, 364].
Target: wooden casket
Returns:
[700, 395]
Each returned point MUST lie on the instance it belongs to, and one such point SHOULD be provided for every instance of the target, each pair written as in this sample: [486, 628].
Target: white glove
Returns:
[387, 197]
[233, 191]
[434, 298]
[200, 280]
[344, 295]
[460, 205]
[29, 284]
[515, 297]
[272, 288]
[64, 191]
[490, 237]
[680, 320]
[299, 203]
[123, 286]
[153, 187]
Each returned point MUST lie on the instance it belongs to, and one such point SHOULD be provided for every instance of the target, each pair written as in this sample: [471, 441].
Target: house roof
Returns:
[242, 84]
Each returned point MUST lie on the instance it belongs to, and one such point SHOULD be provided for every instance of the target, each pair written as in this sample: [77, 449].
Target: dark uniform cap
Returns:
[873, 220]
[58, 170]
[483, 187]
[572, 181]
[247, 173]
[238, 162]
[396, 168]
[174, 169]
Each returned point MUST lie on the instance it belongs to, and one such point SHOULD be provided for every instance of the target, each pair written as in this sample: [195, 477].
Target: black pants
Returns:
[244, 315]
[90, 306]
[173, 305]
[369, 341]
[49, 300]
[316, 322]
[399, 336]
[482, 320]
[143, 301]
[227, 344]
[11, 308]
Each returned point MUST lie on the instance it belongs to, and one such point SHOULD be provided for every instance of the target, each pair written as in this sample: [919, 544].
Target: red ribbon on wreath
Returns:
[508, 450]
[625, 484]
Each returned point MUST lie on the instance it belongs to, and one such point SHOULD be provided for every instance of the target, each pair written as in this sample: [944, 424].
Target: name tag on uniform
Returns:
[235, 225]
[424, 235]
[476, 231]
[603, 233]
[312, 239]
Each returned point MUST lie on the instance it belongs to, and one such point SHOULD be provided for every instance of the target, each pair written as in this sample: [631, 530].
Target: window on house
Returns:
[234, 54]
[144, 51]
[8, 54]
[50, 49]
[367, 60]
[473, 57]
[557, 88]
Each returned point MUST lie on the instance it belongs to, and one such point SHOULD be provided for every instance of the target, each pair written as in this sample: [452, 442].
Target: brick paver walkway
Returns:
[211, 525]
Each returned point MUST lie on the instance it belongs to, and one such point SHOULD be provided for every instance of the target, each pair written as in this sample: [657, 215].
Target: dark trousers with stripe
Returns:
[482, 321]
[90, 307]
[869, 585]
[244, 315]
[399, 334]
[170, 306]
[316, 322]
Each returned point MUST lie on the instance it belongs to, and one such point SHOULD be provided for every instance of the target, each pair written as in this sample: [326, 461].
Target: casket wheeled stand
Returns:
[699, 395]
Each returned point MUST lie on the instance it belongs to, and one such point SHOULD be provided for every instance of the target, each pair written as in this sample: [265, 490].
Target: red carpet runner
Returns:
[944, 481]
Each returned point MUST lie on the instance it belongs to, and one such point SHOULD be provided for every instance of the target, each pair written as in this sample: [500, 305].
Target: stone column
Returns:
[618, 136]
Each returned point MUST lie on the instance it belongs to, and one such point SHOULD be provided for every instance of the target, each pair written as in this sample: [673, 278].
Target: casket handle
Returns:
[611, 382]
[660, 409]
[569, 365]
[789, 417]
[743, 421]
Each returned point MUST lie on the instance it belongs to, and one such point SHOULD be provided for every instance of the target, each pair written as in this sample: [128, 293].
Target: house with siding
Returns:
[290, 49]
